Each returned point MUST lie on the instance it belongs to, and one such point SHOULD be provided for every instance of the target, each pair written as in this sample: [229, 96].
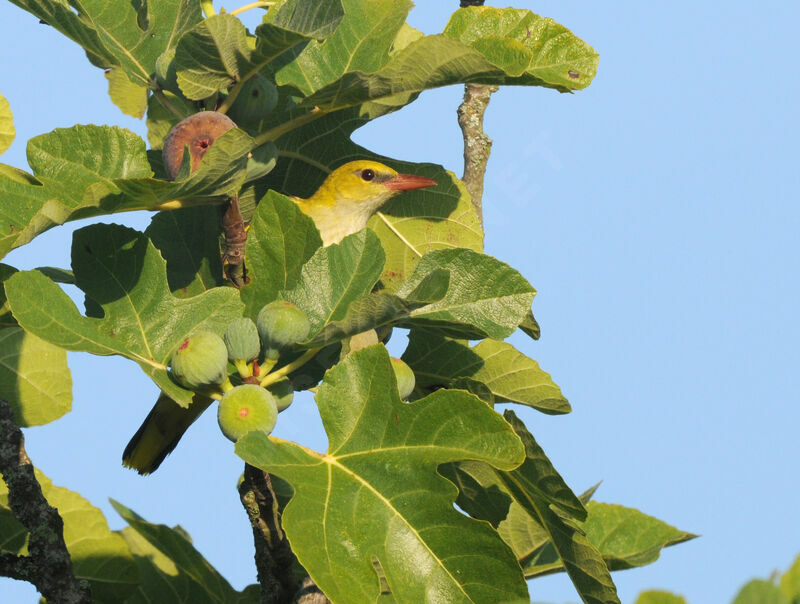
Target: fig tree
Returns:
[280, 325]
[246, 408]
[200, 361]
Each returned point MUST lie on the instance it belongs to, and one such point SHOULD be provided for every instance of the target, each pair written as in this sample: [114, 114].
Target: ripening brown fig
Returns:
[198, 132]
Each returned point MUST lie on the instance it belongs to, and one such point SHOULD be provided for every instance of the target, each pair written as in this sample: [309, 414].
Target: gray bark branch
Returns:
[477, 144]
[48, 565]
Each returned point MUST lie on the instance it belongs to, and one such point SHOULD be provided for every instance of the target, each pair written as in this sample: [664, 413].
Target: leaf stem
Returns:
[167, 104]
[267, 365]
[208, 8]
[237, 88]
[278, 131]
[246, 7]
[277, 375]
[243, 368]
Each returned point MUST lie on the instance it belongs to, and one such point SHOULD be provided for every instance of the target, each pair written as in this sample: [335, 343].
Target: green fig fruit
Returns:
[256, 100]
[246, 408]
[280, 325]
[200, 361]
[241, 338]
[198, 132]
[405, 378]
[283, 392]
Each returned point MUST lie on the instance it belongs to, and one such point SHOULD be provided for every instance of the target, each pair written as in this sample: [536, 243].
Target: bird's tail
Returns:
[160, 432]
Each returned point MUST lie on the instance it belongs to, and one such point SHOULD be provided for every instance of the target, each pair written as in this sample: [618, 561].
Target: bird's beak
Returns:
[407, 182]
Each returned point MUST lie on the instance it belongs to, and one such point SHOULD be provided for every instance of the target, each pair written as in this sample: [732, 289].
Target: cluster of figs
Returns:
[202, 362]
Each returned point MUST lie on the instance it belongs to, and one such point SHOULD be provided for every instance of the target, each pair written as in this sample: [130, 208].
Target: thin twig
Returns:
[48, 565]
[208, 8]
[477, 145]
[279, 374]
[246, 7]
[167, 104]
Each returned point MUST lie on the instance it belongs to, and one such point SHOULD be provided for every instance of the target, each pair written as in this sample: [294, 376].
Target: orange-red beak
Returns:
[407, 182]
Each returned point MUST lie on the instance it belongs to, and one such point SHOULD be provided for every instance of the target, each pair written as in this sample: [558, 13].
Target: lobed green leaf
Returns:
[486, 297]
[375, 499]
[171, 569]
[280, 240]
[790, 582]
[7, 132]
[34, 377]
[335, 276]
[361, 42]
[130, 36]
[626, 537]
[130, 97]
[212, 56]
[760, 591]
[541, 492]
[124, 275]
[93, 170]
[509, 375]
[188, 240]
[653, 596]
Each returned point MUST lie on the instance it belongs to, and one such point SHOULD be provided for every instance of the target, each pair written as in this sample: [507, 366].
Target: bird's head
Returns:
[364, 186]
[352, 193]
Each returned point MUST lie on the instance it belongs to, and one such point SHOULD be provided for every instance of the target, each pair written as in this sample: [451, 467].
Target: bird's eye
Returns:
[367, 174]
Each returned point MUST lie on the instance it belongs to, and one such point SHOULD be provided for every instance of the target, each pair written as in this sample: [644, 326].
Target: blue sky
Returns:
[655, 212]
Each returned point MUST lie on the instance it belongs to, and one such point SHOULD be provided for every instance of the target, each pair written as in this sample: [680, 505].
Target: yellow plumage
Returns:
[342, 205]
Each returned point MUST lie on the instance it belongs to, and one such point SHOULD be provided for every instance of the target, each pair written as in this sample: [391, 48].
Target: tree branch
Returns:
[274, 557]
[477, 145]
[48, 565]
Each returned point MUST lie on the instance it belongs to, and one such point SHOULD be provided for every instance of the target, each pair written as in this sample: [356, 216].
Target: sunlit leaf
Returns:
[130, 97]
[7, 132]
[281, 239]
[485, 297]
[121, 271]
[93, 170]
[653, 596]
[34, 377]
[335, 276]
[376, 494]
[128, 35]
[759, 591]
[510, 375]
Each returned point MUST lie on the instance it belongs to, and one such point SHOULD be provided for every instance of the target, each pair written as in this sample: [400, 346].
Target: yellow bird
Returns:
[341, 206]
